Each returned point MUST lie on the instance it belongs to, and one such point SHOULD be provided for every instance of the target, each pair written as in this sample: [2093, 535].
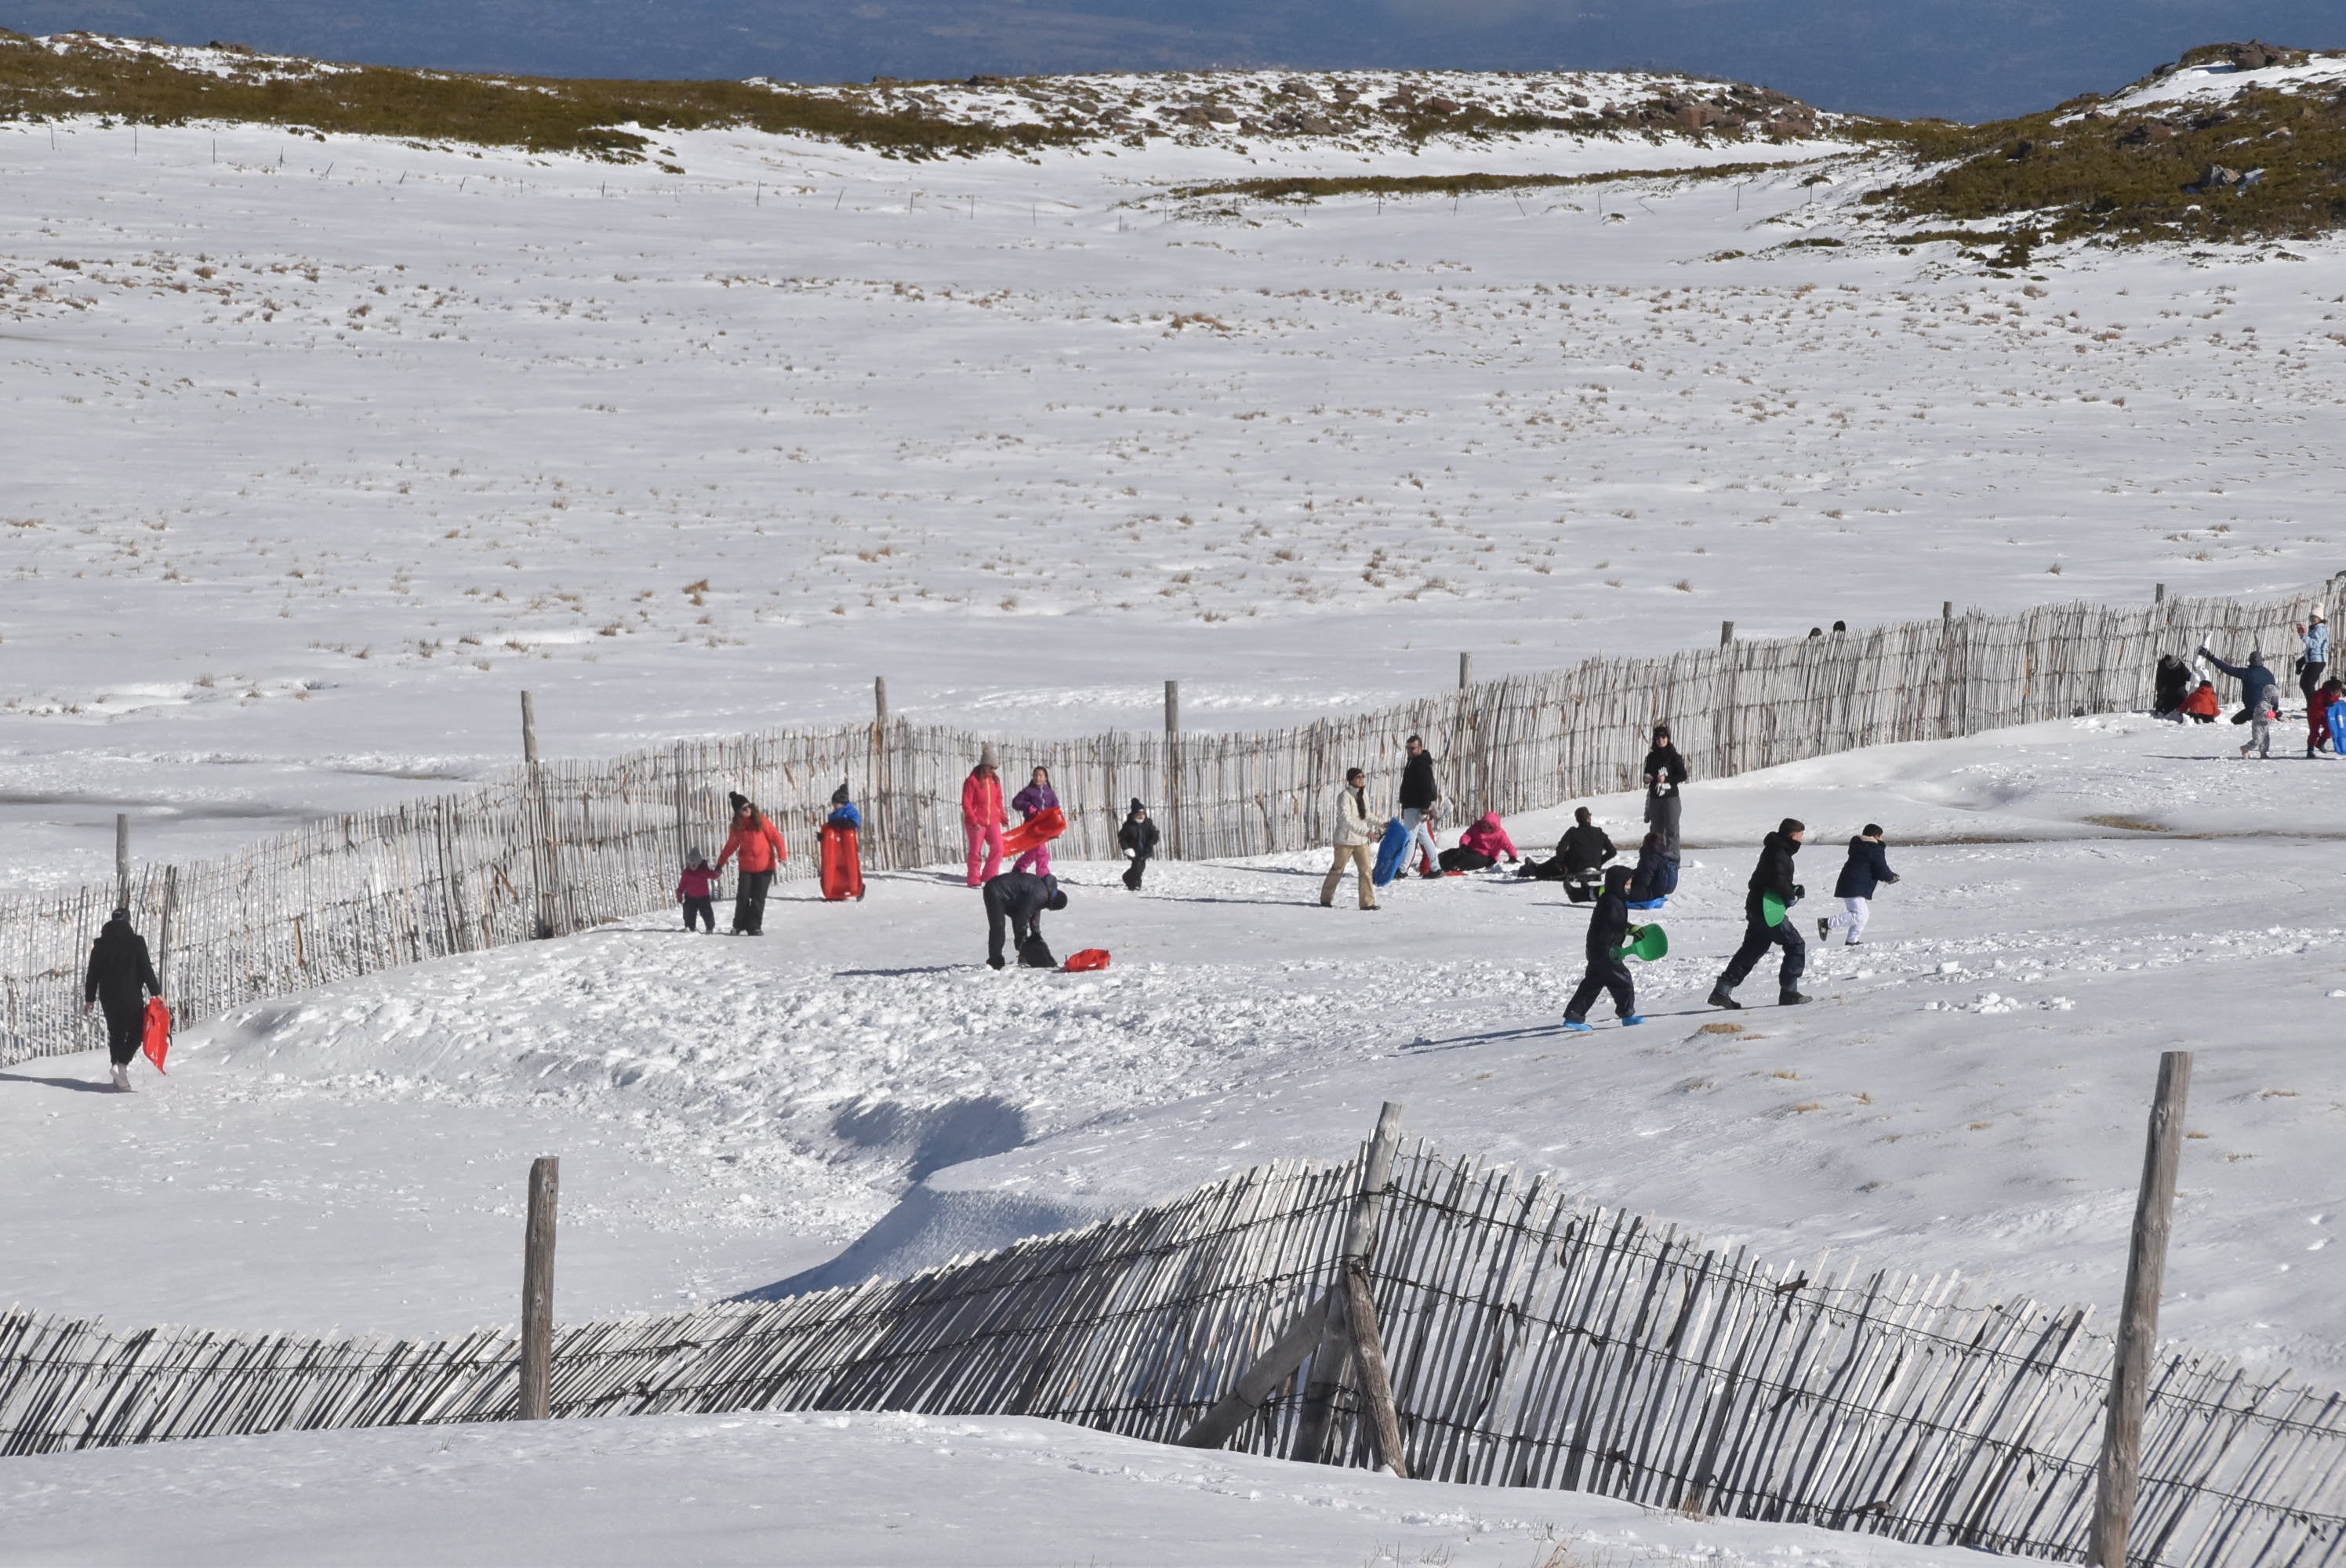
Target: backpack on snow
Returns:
[1033, 955]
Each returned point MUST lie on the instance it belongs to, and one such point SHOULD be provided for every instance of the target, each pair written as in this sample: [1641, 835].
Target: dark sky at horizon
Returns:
[1965, 59]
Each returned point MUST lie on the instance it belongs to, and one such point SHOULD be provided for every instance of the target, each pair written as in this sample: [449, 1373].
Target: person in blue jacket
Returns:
[844, 811]
[2259, 695]
[2316, 657]
[1867, 867]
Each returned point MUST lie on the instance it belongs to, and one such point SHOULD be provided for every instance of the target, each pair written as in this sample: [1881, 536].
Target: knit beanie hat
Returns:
[739, 800]
[1136, 806]
[839, 795]
[988, 758]
[695, 857]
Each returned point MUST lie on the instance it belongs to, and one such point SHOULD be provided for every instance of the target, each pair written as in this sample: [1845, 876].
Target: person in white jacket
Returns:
[1356, 836]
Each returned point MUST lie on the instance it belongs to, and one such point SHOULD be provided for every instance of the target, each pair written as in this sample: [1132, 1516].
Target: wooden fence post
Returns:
[684, 844]
[1725, 633]
[541, 828]
[876, 791]
[1173, 770]
[122, 860]
[1331, 1363]
[2121, 1469]
[163, 935]
[1468, 756]
[538, 1289]
[1465, 670]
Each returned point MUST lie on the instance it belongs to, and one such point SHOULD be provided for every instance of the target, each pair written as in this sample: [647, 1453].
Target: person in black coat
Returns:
[1867, 867]
[120, 977]
[1657, 876]
[1608, 929]
[1664, 772]
[1773, 874]
[1580, 854]
[1137, 839]
[1418, 795]
[1017, 900]
[2173, 686]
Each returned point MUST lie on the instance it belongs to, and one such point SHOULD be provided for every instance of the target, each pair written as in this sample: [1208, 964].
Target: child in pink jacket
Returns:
[1480, 847]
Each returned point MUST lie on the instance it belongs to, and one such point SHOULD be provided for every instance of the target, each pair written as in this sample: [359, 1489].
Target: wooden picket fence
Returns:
[1533, 1341]
[563, 846]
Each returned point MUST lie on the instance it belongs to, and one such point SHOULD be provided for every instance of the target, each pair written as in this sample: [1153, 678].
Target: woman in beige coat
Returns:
[1356, 837]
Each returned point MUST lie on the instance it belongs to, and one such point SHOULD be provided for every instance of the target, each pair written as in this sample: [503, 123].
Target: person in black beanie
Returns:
[120, 976]
[1774, 875]
[1137, 839]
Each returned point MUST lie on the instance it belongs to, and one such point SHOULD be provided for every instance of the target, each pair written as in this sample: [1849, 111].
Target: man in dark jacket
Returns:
[1137, 839]
[1773, 874]
[1418, 794]
[1018, 900]
[1867, 867]
[1581, 854]
[1608, 927]
[121, 977]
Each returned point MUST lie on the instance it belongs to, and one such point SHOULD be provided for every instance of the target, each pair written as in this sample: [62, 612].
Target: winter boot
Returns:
[1824, 931]
[1792, 999]
[1720, 998]
[1627, 1018]
[1580, 1026]
[122, 1076]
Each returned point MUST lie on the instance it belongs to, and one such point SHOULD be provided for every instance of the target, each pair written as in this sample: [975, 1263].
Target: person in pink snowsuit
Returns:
[982, 818]
[1479, 846]
[1031, 803]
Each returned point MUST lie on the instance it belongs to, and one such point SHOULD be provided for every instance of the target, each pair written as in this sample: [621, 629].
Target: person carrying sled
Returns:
[1771, 878]
[840, 845]
[695, 889]
[1480, 847]
[1018, 900]
[1867, 867]
[1137, 839]
[1031, 803]
[760, 844]
[120, 978]
[1608, 929]
[983, 817]
[1356, 837]
[1419, 794]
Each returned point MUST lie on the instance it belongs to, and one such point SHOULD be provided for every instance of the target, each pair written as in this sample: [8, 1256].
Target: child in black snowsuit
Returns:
[1137, 839]
[1608, 929]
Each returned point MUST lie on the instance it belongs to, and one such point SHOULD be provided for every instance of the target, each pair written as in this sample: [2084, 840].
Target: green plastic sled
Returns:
[1773, 909]
[1650, 943]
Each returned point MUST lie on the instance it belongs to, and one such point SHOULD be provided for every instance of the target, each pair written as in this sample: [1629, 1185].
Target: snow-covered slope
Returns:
[324, 448]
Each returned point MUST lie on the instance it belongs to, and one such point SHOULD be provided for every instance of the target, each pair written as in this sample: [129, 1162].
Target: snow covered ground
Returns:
[320, 450]
[844, 1492]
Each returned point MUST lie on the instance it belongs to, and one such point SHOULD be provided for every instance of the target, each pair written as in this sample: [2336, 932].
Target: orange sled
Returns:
[158, 1043]
[841, 858]
[1040, 828]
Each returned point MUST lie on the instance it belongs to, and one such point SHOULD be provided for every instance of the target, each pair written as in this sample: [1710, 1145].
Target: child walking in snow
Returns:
[1137, 839]
[1031, 803]
[696, 890]
[1608, 929]
[1867, 867]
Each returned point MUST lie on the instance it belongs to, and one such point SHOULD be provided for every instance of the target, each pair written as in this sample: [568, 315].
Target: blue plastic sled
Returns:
[1391, 850]
[1651, 904]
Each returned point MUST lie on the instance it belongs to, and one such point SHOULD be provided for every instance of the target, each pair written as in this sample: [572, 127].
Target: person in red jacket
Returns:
[982, 818]
[2202, 706]
[696, 891]
[760, 844]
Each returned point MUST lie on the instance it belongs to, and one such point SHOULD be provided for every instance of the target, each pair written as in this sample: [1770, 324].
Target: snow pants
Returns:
[750, 903]
[985, 849]
[1603, 974]
[1463, 860]
[998, 924]
[1419, 835]
[2259, 735]
[126, 1031]
[1662, 817]
[701, 910]
[1364, 857]
[1135, 871]
[1855, 913]
[2308, 681]
[1759, 936]
[1036, 859]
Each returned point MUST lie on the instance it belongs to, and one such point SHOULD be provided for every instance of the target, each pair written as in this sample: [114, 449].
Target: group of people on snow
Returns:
[2185, 691]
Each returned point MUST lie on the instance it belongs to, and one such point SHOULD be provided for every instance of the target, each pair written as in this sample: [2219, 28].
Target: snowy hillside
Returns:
[331, 445]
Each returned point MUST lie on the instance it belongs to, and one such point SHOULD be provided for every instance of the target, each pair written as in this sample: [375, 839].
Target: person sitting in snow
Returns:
[1656, 877]
[1480, 847]
[2171, 687]
[1608, 929]
[1580, 855]
[1867, 867]
[1018, 900]
[1137, 839]
[2202, 707]
[695, 889]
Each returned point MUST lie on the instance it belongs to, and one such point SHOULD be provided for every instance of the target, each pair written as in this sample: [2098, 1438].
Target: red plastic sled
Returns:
[1040, 828]
[1090, 958]
[157, 1044]
[841, 858]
